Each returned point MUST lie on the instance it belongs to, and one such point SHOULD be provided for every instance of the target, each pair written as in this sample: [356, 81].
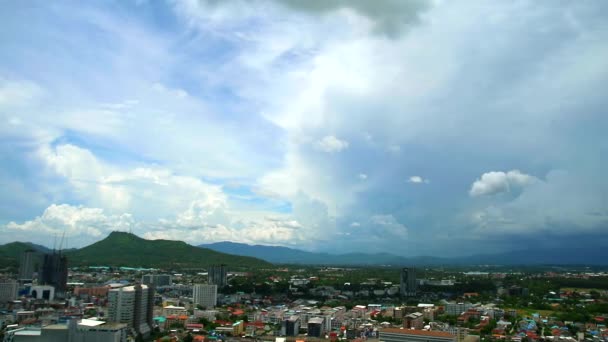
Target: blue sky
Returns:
[416, 127]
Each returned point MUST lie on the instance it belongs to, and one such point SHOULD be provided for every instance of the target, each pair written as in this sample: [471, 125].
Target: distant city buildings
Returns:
[218, 275]
[157, 280]
[132, 305]
[205, 295]
[54, 272]
[408, 284]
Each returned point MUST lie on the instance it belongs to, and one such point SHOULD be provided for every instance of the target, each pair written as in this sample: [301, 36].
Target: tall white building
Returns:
[205, 295]
[132, 305]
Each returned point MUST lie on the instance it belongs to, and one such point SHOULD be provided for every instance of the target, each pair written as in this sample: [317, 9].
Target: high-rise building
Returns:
[54, 272]
[315, 327]
[205, 295]
[8, 291]
[26, 267]
[157, 280]
[218, 275]
[291, 326]
[408, 281]
[132, 305]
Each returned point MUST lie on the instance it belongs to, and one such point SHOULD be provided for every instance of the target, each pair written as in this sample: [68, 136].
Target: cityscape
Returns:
[45, 298]
[303, 171]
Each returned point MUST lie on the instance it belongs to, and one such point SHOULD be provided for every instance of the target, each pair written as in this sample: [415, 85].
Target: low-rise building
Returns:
[407, 335]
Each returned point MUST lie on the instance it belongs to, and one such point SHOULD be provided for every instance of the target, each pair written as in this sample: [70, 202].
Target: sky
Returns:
[441, 128]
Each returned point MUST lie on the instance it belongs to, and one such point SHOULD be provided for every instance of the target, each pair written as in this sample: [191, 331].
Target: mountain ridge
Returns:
[126, 249]
[540, 256]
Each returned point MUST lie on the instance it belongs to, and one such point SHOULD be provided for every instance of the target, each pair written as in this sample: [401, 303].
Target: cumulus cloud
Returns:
[495, 182]
[77, 222]
[362, 176]
[560, 204]
[156, 133]
[331, 144]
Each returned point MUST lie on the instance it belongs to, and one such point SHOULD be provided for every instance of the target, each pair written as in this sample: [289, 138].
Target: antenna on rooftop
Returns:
[54, 242]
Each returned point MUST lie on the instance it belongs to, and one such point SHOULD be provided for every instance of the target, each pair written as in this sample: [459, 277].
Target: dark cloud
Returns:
[389, 17]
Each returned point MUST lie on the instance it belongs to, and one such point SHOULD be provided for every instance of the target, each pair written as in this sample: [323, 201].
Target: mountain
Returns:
[286, 255]
[126, 249]
[10, 253]
[539, 256]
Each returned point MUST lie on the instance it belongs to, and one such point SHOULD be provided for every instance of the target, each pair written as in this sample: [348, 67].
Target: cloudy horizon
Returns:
[412, 127]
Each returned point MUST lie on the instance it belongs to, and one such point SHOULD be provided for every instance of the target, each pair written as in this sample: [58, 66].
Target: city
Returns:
[45, 299]
[304, 170]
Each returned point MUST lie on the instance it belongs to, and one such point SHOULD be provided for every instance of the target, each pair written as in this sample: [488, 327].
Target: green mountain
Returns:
[126, 249]
[10, 253]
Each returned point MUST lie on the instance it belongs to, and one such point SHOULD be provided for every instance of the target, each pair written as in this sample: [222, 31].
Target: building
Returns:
[8, 291]
[291, 326]
[414, 321]
[86, 330]
[455, 309]
[315, 327]
[408, 282]
[406, 335]
[205, 295]
[234, 329]
[26, 267]
[54, 272]
[45, 292]
[218, 276]
[99, 291]
[157, 280]
[132, 305]
[174, 310]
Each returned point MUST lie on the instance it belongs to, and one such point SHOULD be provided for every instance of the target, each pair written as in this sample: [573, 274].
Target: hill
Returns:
[10, 253]
[539, 256]
[126, 249]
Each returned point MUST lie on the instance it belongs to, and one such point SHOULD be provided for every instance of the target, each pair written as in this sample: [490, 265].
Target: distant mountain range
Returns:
[126, 249]
[285, 255]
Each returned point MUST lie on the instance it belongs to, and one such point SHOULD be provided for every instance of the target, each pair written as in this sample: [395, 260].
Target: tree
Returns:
[188, 338]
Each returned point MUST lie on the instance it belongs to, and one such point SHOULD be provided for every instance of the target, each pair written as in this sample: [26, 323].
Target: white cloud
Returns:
[417, 180]
[331, 144]
[18, 93]
[495, 182]
[75, 221]
[355, 224]
[362, 176]
[387, 226]
[560, 204]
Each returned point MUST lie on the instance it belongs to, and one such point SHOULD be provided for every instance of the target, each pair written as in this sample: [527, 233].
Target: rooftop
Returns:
[417, 332]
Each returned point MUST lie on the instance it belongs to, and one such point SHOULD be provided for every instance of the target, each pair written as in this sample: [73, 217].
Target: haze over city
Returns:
[442, 128]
